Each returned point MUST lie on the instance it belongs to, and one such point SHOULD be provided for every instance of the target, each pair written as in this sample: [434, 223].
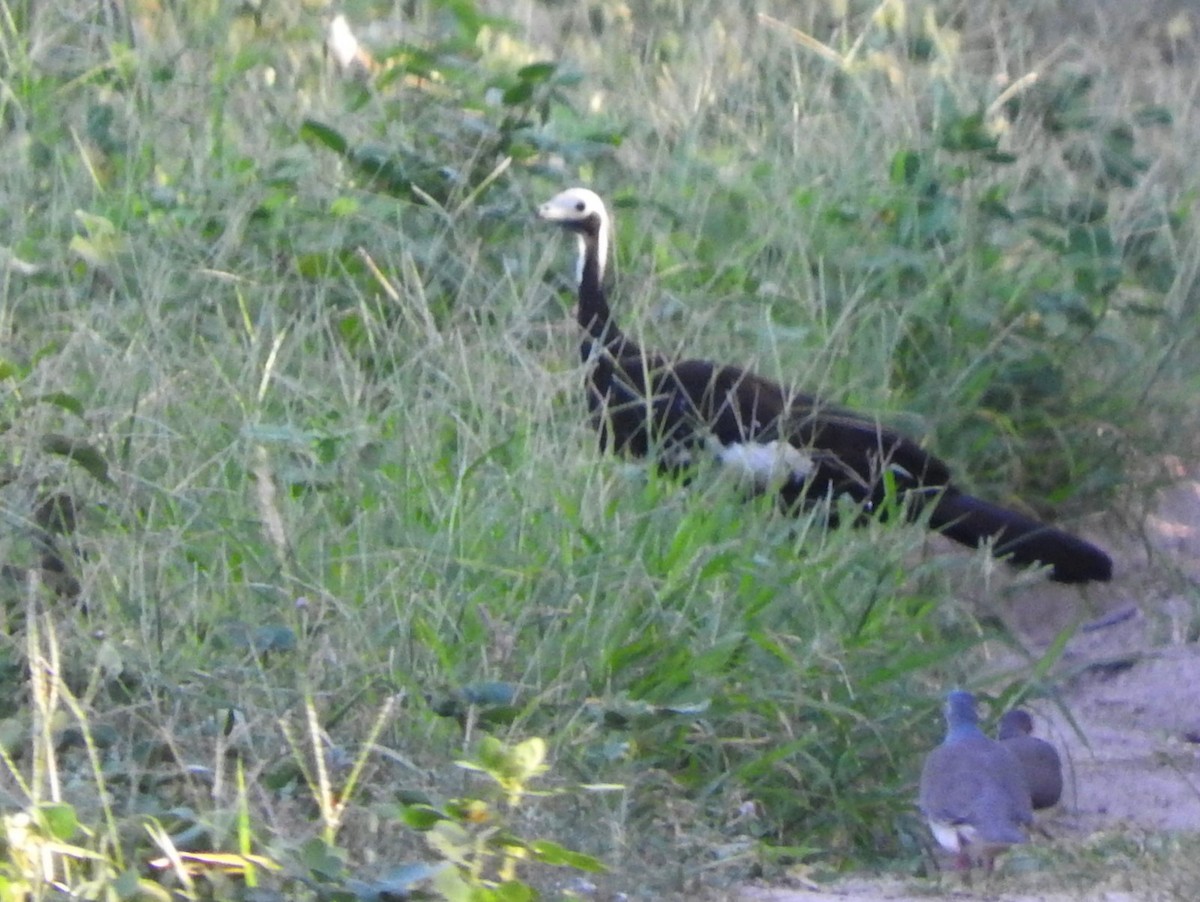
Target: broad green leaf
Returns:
[319, 133]
[452, 886]
[413, 797]
[79, 452]
[536, 72]
[59, 820]
[421, 817]
[518, 93]
[513, 891]
[552, 853]
[325, 861]
[906, 165]
[67, 402]
[528, 758]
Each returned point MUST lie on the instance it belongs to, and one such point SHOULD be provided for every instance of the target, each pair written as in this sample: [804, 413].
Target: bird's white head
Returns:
[573, 208]
[581, 211]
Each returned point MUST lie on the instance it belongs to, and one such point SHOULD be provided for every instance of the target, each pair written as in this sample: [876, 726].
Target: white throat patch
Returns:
[601, 250]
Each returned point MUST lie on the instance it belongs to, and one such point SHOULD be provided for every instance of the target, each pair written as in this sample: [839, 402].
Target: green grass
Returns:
[300, 357]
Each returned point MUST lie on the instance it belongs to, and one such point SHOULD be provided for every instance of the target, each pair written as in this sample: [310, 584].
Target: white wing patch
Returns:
[767, 463]
[952, 837]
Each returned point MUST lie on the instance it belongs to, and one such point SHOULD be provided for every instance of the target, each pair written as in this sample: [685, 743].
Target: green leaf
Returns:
[1155, 114]
[536, 72]
[323, 860]
[413, 797]
[517, 94]
[100, 120]
[513, 891]
[1117, 156]
[552, 853]
[1090, 241]
[906, 166]
[449, 884]
[95, 225]
[69, 403]
[381, 166]
[529, 758]
[59, 820]
[102, 244]
[965, 134]
[287, 773]
[319, 133]
[1086, 210]
[408, 59]
[491, 753]
[78, 452]
[421, 817]
[451, 841]
[89, 252]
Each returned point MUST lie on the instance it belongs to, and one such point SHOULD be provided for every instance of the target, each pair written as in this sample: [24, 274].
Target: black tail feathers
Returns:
[1020, 539]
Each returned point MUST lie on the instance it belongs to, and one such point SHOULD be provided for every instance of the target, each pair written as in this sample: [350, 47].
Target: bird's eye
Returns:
[580, 206]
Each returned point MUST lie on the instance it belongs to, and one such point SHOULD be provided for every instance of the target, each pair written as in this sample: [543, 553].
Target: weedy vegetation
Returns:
[315, 584]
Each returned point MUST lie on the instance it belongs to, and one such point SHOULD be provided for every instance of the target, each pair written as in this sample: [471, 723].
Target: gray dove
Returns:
[973, 791]
[1039, 760]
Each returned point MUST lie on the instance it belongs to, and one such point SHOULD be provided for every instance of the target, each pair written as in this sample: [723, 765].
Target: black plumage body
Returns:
[643, 403]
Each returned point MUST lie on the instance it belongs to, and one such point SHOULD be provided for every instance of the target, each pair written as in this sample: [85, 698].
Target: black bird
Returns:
[643, 403]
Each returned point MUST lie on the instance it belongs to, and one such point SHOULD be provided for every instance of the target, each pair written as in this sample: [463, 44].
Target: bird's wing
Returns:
[862, 445]
[695, 400]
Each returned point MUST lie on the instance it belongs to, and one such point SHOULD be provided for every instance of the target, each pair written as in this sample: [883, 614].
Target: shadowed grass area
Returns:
[292, 349]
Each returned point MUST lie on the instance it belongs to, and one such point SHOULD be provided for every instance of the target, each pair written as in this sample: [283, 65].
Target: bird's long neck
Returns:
[593, 312]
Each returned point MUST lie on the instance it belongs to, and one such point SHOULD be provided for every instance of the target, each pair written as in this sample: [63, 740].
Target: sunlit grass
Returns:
[303, 361]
